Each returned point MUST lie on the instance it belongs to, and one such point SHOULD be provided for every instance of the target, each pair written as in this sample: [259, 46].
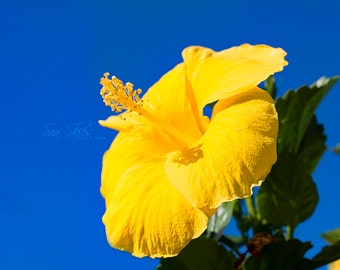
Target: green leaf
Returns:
[171, 264]
[296, 109]
[281, 255]
[219, 221]
[332, 236]
[327, 255]
[312, 145]
[289, 195]
[201, 253]
[270, 86]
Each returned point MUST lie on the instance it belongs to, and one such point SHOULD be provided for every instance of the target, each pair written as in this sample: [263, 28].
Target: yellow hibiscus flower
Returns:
[170, 167]
[334, 265]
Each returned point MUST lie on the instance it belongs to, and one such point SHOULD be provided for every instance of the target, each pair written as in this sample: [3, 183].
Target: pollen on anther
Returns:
[119, 96]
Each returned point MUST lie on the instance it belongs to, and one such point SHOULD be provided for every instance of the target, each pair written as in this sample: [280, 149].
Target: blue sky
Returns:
[52, 55]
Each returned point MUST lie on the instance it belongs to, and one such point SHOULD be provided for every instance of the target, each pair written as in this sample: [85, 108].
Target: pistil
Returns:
[122, 97]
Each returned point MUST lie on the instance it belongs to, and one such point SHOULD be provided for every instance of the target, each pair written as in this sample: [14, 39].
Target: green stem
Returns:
[230, 243]
[289, 232]
[250, 206]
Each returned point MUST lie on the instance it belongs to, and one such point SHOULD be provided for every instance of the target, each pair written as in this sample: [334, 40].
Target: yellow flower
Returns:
[334, 265]
[170, 166]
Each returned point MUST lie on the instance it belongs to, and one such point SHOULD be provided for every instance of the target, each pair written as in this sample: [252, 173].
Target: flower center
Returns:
[123, 97]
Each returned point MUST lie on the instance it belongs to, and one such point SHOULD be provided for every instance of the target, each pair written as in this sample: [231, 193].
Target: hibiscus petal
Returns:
[123, 122]
[145, 214]
[236, 152]
[144, 143]
[171, 100]
[217, 75]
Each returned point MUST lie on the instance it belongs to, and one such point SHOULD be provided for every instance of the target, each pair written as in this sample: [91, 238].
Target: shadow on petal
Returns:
[189, 155]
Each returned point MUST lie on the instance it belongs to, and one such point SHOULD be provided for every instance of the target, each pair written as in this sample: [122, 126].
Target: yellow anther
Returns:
[119, 96]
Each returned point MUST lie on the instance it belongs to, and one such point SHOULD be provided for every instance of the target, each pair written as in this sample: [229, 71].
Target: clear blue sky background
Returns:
[52, 55]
